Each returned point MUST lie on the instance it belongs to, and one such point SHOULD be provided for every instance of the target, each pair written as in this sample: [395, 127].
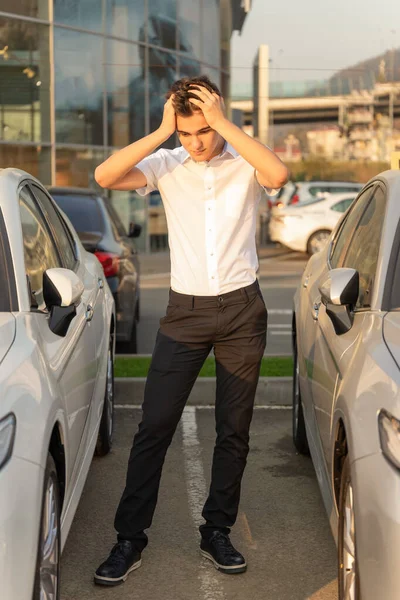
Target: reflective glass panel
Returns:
[125, 93]
[36, 160]
[161, 23]
[189, 28]
[211, 33]
[78, 87]
[126, 19]
[24, 81]
[76, 167]
[86, 14]
[29, 8]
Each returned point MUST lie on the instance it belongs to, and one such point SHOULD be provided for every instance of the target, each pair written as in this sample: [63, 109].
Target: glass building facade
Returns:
[81, 78]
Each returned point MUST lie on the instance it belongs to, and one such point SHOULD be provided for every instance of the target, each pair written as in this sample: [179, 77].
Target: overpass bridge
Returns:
[383, 99]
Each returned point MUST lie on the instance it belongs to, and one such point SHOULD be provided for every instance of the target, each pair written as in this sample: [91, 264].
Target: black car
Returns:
[101, 231]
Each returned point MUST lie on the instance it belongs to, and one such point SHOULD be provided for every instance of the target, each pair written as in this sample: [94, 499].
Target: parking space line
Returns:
[197, 492]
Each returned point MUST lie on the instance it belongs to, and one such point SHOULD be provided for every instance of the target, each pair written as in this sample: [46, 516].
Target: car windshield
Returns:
[83, 211]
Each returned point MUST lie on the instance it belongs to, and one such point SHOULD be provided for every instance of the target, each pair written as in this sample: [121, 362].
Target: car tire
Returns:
[348, 578]
[47, 578]
[299, 427]
[104, 438]
[317, 241]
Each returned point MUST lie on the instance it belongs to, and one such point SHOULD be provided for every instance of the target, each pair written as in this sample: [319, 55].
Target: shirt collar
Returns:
[227, 149]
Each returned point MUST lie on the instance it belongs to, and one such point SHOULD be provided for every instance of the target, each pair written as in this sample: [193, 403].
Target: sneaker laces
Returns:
[117, 553]
[223, 544]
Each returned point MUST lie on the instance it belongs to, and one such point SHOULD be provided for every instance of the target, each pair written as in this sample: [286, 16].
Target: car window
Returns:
[40, 251]
[347, 228]
[116, 221]
[7, 281]
[83, 211]
[343, 205]
[314, 190]
[363, 251]
[59, 229]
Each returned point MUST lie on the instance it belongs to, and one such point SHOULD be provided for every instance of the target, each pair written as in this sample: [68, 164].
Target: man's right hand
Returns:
[168, 125]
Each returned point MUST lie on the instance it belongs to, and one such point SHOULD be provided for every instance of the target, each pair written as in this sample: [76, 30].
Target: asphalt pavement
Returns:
[282, 528]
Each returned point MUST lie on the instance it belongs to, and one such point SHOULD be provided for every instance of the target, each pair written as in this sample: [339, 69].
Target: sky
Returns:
[311, 39]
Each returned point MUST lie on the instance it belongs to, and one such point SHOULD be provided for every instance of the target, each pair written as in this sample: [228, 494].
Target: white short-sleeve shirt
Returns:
[211, 211]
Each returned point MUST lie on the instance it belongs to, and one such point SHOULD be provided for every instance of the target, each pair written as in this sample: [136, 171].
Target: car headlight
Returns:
[7, 436]
[389, 433]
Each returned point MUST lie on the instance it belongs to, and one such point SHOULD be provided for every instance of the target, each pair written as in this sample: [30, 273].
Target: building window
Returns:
[125, 93]
[79, 77]
[24, 81]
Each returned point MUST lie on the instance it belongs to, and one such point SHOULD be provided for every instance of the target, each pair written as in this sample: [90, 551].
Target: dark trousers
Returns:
[235, 325]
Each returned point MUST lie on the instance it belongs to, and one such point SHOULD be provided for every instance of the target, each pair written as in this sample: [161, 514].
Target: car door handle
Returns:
[89, 313]
[315, 310]
[100, 283]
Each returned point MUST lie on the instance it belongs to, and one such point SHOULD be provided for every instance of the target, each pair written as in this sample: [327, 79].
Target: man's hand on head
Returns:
[211, 105]
[168, 124]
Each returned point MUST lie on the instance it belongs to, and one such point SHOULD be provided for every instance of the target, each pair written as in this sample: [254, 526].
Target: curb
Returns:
[274, 391]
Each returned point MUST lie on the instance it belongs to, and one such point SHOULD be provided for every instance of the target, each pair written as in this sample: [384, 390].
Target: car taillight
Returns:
[109, 262]
[295, 199]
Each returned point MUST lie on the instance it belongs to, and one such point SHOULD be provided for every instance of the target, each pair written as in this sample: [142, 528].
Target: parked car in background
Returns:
[306, 227]
[346, 390]
[308, 191]
[102, 233]
[57, 326]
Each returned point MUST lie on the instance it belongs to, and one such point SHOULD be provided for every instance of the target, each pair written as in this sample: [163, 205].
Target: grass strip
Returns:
[271, 366]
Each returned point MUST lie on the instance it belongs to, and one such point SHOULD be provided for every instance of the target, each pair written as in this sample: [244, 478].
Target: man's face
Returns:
[197, 137]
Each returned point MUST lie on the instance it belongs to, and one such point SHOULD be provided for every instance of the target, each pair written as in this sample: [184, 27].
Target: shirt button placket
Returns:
[211, 224]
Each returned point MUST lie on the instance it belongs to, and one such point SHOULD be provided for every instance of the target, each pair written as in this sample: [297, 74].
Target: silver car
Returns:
[57, 323]
[346, 390]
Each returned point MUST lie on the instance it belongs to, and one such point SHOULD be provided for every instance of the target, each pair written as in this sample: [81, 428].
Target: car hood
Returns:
[391, 334]
[7, 333]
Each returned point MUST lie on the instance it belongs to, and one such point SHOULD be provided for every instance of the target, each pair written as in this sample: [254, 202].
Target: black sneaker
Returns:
[218, 548]
[123, 560]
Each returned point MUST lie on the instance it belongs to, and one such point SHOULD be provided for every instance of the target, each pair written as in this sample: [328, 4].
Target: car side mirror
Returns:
[134, 230]
[339, 294]
[62, 292]
[341, 288]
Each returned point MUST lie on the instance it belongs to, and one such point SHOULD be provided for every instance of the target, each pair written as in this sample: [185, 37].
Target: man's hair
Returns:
[181, 92]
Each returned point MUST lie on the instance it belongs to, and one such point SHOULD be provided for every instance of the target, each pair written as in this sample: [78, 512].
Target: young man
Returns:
[210, 188]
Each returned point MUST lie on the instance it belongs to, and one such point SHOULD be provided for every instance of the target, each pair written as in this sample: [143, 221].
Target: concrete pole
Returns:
[263, 93]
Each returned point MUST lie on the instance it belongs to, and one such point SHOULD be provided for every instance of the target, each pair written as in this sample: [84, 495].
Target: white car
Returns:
[346, 387]
[306, 227]
[57, 321]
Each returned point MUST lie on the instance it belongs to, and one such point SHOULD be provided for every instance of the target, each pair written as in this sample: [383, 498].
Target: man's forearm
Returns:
[270, 168]
[120, 163]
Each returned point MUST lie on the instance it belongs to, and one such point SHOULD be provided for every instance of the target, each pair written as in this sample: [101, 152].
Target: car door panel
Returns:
[70, 359]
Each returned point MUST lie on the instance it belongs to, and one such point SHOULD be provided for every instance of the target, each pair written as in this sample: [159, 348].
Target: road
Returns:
[282, 528]
[279, 275]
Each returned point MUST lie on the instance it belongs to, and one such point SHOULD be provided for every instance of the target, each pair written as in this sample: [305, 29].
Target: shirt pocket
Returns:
[235, 201]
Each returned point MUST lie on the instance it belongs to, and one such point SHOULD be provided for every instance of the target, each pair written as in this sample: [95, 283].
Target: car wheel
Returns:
[47, 579]
[299, 427]
[104, 439]
[347, 558]
[317, 241]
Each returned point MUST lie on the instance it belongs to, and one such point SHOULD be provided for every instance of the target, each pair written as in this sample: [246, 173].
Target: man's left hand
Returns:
[211, 105]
